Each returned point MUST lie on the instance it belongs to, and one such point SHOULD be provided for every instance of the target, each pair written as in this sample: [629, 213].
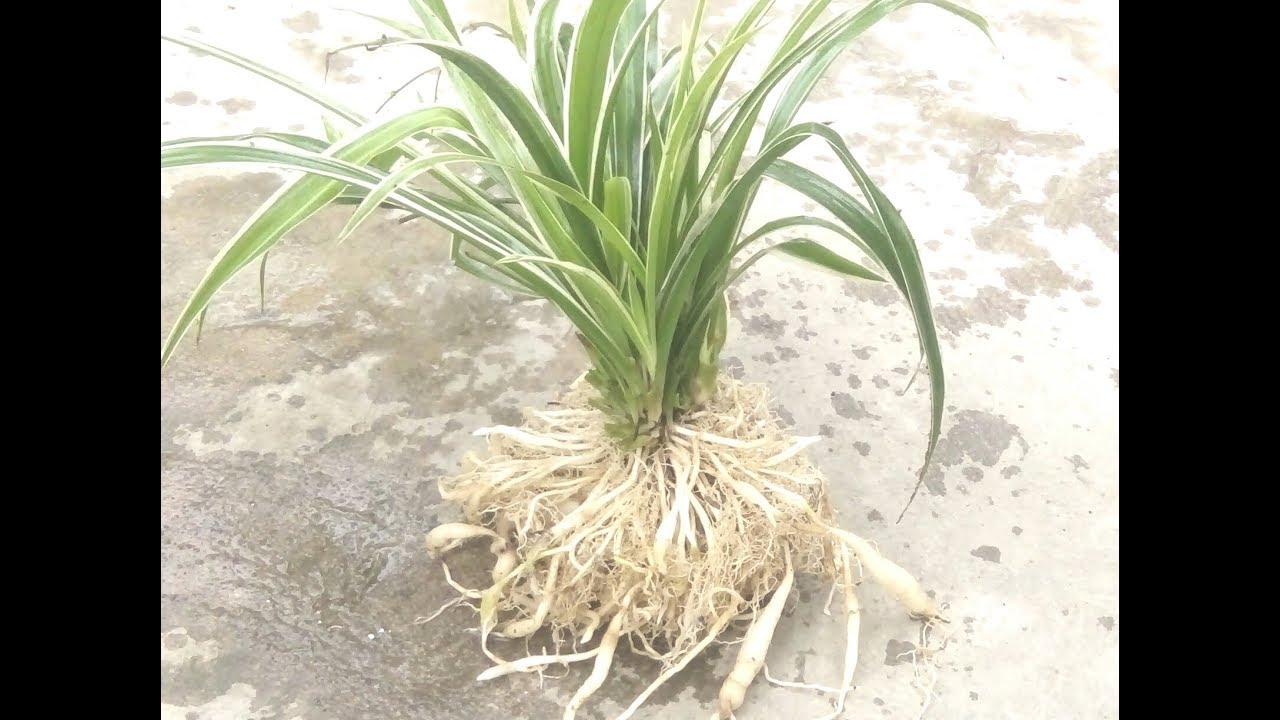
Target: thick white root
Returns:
[604, 659]
[888, 574]
[667, 546]
[754, 647]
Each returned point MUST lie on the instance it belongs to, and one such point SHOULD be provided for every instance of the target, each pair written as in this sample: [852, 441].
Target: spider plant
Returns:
[611, 190]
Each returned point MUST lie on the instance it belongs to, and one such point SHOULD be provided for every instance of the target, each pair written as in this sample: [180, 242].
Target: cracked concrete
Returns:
[302, 440]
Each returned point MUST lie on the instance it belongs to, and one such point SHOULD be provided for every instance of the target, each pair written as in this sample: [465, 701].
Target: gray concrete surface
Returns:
[301, 444]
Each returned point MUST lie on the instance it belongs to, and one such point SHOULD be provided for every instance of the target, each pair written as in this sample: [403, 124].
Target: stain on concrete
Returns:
[875, 516]
[1017, 530]
[231, 106]
[834, 369]
[881, 294]
[897, 652]
[766, 326]
[854, 382]
[990, 553]
[1109, 623]
[334, 66]
[1078, 463]
[307, 22]
[786, 353]
[849, 408]
[973, 695]
[1042, 277]
[182, 98]
[990, 306]
[1011, 471]
[879, 382]
[972, 474]
[1081, 199]
[864, 449]
[975, 436]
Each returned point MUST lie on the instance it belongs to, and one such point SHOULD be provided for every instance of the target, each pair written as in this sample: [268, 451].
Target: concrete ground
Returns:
[301, 443]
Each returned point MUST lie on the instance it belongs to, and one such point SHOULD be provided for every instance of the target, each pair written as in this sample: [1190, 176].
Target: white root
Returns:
[853, 623]
[667, 674]
[797, 685]
[800, 444]
[524, 628]
[535, 662]
[450, 535]
[888, 574]
[669, 545]
[604, 660]
[754, 648]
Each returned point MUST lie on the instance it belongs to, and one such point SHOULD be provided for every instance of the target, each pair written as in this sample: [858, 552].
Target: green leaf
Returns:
[589, 58]
[544, 67]
[290, 205]
[816, 254]
[517, 27]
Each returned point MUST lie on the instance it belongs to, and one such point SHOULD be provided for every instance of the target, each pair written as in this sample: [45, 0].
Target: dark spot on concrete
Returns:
[766, 358]
[974, 435]
[788, 420]
[879, 382]
[766, 326]
[307, 22]
[875, 516]
[1078, 463]
[231, 106]
[882, 294]
[877, 701]
[1011, 471]
[854, 382]
[1017, 530]
[733, 366]
[862, 353]
[972, 474]
[990, 553]
[1065, 612]
[1082, 199]
[900, 371]
[1042, 277]
[1018, 358]
[1107, 622]
[454, 425]
[334, 66]
[973, 695]
[786, 353]
[1091, 301]
[182, 97]
[297, 401]
[990, 306]
[979, 436]
[864, 449]
[834, 369]
[826, 431]
[505, 414]
[897, 652]
[847, 407]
